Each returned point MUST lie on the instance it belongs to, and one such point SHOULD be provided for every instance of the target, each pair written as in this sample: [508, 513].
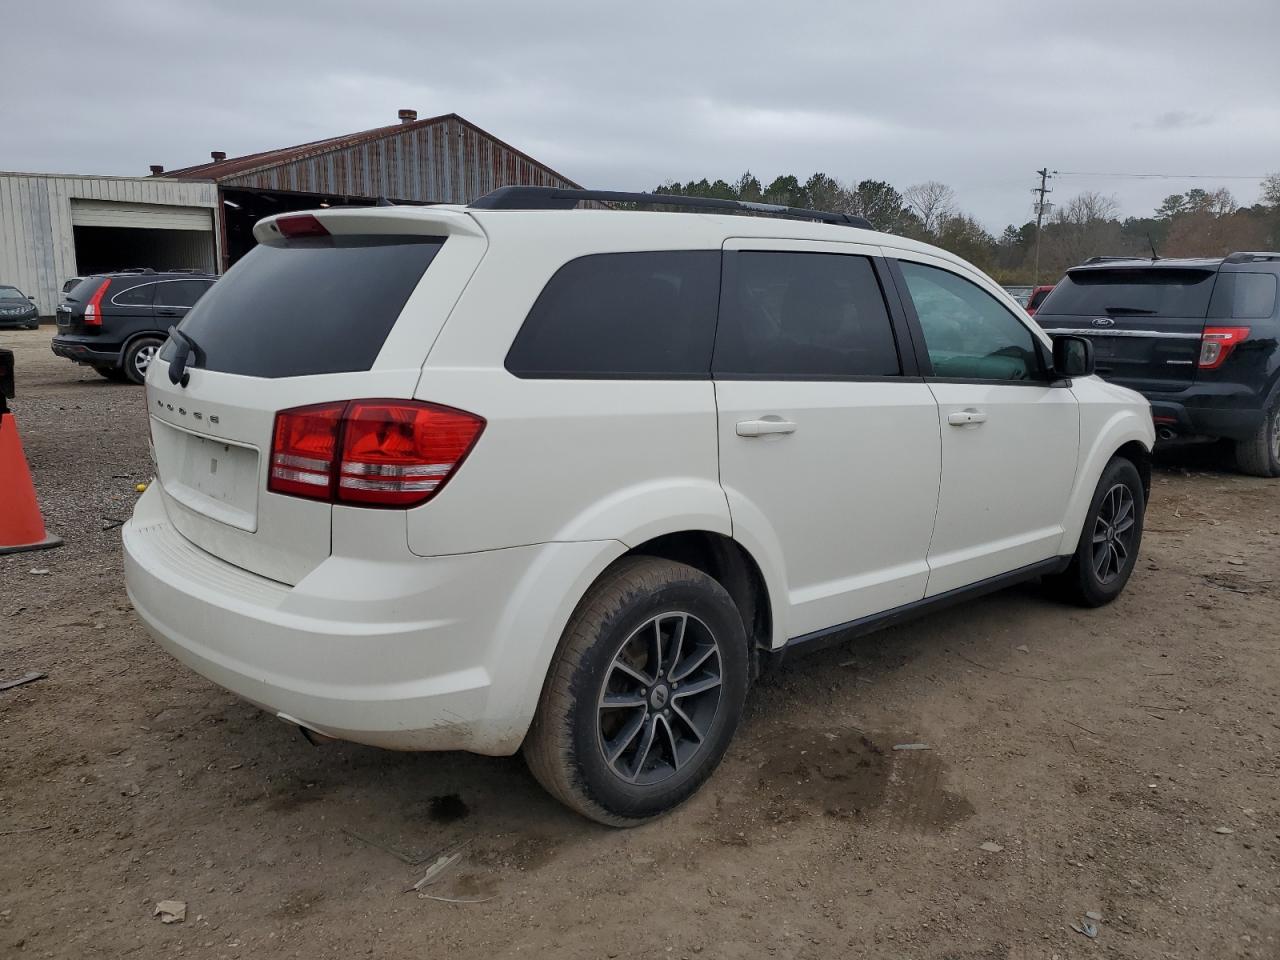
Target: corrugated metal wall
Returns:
[445, 162]
[37, 244]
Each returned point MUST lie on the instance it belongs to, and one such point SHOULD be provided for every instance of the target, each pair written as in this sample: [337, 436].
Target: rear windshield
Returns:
[1037, 298]
[1168, 292]
[317, 305]
[83, 289]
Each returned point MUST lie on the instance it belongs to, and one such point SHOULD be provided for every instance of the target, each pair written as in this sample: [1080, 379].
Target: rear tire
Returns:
[643, 695]
[138, 357]
[1259, 456]
[1110, 539]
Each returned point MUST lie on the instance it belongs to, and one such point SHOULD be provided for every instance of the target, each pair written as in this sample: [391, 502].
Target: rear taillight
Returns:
[93, 309]
[385, 453]
[302, 225]
[1217, 343]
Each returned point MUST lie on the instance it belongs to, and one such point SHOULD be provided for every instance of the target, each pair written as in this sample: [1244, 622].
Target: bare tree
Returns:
[1271, 190]
[932, 202]
[1087, 208]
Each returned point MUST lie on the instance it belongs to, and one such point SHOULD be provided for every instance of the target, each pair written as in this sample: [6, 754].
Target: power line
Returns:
[1163, 176]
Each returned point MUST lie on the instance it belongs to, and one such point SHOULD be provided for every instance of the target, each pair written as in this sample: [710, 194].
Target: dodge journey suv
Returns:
[523, 477]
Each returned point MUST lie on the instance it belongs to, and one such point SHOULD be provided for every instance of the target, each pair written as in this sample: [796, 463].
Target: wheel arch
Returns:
[731, 565]
[1128, 434]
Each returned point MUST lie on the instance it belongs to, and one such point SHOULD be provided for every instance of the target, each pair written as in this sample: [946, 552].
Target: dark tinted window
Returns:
[313, 306]
[83, 290]
[1159, 292]
[649, 314]
[968, 333]
[138, 296]
[1253, 295]
[803, 316]
[180, 293]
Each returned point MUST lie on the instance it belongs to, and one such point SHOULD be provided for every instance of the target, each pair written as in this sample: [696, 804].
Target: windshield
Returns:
[11, 293]
[1159, 292]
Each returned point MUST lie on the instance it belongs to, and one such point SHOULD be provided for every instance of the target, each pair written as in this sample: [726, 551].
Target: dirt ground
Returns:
[1119, 761]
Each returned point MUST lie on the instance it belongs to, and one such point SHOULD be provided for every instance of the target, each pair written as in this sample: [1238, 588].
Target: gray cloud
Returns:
[977, 95]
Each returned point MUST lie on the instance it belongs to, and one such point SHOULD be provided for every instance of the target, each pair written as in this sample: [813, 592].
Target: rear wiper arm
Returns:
[1131, 311]
[185, 348]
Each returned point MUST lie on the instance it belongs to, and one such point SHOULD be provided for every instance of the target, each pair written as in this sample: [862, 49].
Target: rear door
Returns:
[339, 316]
[829, 448]
[1145, 321]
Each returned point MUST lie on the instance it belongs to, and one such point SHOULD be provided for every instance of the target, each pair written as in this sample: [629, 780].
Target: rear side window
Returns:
[180, 293]
[139, 296]
[649, 315]
[1160, 292]
[322, 305]
[803, 316]
[1244, 296]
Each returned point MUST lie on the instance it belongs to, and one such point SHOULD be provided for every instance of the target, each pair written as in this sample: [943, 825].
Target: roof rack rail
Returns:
[1251, 257]
[133, 270]
[554, 198]
[1110, 259]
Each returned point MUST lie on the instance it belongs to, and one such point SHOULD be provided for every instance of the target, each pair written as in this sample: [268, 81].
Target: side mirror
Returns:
[1072, 356]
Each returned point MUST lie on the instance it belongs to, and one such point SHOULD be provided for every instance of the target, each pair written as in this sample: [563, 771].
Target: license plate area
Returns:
[208, 475]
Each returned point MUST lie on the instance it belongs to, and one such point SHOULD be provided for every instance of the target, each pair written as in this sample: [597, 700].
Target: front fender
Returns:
[1100, 437]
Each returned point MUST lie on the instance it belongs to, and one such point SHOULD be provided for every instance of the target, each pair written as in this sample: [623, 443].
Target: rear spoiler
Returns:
[425, 221]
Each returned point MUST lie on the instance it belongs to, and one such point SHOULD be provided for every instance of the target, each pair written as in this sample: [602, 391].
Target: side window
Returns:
[181, 293]
[648, 315]
[1255, 296]
[139, 296]
[968, 333]
[798, 316]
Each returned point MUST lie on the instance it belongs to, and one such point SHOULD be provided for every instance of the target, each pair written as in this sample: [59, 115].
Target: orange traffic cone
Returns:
[21, 527]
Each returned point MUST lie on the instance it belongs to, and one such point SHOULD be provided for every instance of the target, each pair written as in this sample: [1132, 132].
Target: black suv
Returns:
[117, 322]
[1198, 338]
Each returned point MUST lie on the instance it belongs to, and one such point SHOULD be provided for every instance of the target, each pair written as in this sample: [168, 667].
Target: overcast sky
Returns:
[975, 93]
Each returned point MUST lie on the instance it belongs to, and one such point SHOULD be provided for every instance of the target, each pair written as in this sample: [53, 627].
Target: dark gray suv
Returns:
[117, 322]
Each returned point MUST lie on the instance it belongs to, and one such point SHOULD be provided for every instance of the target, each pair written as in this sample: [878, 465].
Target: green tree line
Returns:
[1196, 223]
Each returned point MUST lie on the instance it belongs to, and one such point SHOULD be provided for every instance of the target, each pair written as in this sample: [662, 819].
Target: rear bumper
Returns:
[1228, 410]
[443, 653]
[82, 352]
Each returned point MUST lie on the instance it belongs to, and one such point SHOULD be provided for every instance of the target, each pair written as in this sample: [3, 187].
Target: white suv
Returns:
[515, 476]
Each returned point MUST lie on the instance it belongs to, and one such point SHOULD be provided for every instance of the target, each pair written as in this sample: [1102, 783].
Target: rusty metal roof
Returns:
[242, 167]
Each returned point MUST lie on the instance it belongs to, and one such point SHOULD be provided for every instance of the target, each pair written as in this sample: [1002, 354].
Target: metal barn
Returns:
[56, 227]
[444, 159]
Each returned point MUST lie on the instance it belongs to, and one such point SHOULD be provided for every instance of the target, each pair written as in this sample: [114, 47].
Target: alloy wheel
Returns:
[659, 699]
[1113, 532]
[142, 359]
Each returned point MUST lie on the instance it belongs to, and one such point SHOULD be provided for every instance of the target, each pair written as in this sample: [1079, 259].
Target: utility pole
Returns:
[1041, 207]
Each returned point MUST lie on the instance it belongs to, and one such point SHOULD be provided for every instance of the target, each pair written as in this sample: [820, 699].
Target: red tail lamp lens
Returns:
[388, 453]
[1216, 344]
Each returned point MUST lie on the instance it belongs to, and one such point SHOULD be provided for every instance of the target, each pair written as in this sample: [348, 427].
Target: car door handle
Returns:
[764, 426]
[962, 418]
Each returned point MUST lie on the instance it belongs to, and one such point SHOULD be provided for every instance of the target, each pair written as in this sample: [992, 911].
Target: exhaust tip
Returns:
[1165, 433]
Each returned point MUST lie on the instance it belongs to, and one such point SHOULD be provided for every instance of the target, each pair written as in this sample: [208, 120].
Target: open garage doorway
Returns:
[103, 249]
